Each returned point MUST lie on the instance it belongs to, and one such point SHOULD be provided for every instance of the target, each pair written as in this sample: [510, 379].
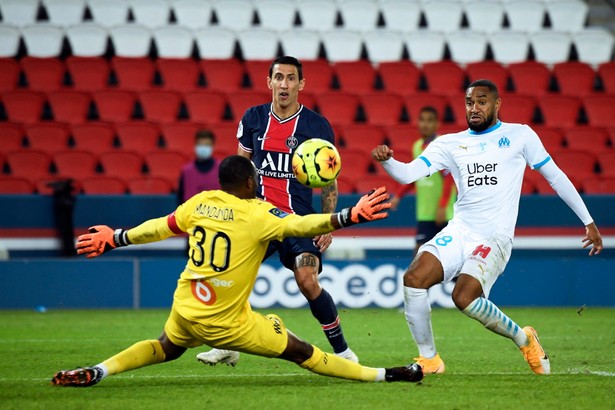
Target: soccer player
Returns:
[487, 162]
[268, 134]
[229, 232]
[435, 195]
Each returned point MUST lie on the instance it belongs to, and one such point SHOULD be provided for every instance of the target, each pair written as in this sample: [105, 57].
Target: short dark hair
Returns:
[290, 61]
[234, 171]
[203, 134]
[429, 108]
[486, 83]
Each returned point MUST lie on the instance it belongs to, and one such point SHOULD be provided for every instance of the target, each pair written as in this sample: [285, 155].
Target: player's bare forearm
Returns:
[592, 237]
[328, 198]
[153, 230]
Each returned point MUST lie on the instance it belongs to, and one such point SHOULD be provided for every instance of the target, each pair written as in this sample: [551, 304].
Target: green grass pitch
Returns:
[483, 369]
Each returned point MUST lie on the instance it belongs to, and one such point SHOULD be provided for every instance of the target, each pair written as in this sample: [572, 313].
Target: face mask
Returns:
[203, 151]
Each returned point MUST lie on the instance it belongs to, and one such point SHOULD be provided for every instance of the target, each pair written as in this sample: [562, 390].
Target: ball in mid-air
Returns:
[316, 163]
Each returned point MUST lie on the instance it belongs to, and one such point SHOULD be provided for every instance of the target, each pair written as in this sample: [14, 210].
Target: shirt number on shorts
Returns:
[444, 240]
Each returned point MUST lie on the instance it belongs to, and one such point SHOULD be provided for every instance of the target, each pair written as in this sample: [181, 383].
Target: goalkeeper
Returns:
[229, 232]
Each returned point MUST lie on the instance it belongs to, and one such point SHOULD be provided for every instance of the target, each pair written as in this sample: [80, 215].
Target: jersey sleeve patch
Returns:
[426, 161]
[541, 163]
[278, 212]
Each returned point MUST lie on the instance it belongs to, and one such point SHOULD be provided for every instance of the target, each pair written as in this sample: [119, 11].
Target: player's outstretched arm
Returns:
[592, 237]
[404, 173]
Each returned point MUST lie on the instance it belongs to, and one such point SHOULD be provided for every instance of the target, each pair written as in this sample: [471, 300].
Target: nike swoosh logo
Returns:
[261, 138]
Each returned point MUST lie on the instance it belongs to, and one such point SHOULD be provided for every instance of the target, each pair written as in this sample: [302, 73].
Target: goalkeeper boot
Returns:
[81, 377]
[410, 373]
[431, 366]
[215, 356]
[534, 354]
[348, 355]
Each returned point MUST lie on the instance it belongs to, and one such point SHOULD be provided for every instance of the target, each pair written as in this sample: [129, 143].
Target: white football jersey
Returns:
[488, 169]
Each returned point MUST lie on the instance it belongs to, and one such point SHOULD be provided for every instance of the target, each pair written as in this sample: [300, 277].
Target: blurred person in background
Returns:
[202, 173]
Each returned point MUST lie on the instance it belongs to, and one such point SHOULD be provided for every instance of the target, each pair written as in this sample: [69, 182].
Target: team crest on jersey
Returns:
[278, 212]
[504, 143]
[292, 142]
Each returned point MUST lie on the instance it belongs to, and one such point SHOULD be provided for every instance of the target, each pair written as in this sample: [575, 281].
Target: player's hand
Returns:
[99, 240]
[323, 242]
[370, 207]
[395, 203]
[592, 237]
[382, 153]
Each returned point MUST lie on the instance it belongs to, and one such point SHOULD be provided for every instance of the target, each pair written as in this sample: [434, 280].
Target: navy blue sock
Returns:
[324, 310]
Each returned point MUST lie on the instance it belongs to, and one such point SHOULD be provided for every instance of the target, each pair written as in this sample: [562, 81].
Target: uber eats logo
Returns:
[480, 174]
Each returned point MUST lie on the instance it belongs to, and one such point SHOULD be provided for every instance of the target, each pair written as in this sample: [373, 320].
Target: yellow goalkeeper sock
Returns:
[331, 365]
[140, 354]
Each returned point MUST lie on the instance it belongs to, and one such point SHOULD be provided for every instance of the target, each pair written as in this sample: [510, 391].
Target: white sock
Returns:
[103, 368]
[495, 320]
[418, 316]
[380, 377]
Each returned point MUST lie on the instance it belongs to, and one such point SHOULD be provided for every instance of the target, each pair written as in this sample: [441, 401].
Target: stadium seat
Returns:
[103, 185]
[345, 185]
[559, 111]
[138, 136]
[385, 46]
[12, 137]
[29, 164]
[342, 45]
[467, 46]
[574, 78]
[205, 106]
[551, 47]
[356, 77]
[226, 137]
[43, 40]
[23, 106]
[606, 160]
[167, 165]
[525, 16]
[517, 108]
[307, 99]
[509, 47]
[131, 40]
[258, 44]
[552, 138]
[369, 182]
[173, 42]
[576, 164]
[87, 40]
[133, 73]
[15, 186]
[49, 137]
[527, 187]
[94, 137]
[9, 46]
[414, 103]
[444, 16]
[359, 15]
[88, 73]
[180, 136]
[65, 13]
[599, 185]
[69, 106]
[567, 15]
[19, 12]
[530, 78]
[76, 164]
[425, 47]
[401, 136]
[114, 105]
[303, 44]
[109, 13]
[160, 105]
[178, 74]
[590, 139]
[338, 107]
[236, 15]
[258, 71]
[276, 15]
[444, 78]
[9, 74]
[151, 13]
[192, 14]
[594, 45]
[215, 43]
[43, 74]
[402, 16]
[400, 77]
[122, 164]
[149, 186]
[317, 15]
[485, 16]
[240, 101]
[222, 75]
[318, 75]
[362, 137]
[382, 108]
[355, 164]
[491, 70]
[607, 75]
[600, 110]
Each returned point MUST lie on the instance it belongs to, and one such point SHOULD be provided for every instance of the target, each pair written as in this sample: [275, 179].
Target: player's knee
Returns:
[309, 285]
[413, 279]
[462, 299]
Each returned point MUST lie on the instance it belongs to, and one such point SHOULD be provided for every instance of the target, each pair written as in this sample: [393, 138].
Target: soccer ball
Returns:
[316, 163]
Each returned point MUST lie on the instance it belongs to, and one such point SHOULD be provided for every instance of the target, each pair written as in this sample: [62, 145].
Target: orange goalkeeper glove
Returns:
[368, 208]
[100, 239]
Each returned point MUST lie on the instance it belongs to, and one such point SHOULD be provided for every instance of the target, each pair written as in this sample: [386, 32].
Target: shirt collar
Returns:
[488, 130]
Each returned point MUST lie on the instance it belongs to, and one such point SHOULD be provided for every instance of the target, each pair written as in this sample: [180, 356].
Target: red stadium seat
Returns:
[149, 186]
[178, 74]
[363, 137]
[9, 74]
[517, 108]
[240, 101]
[552, 138]
[12, 137]
[122, 164]
[88, 73]
[166, 165]
[43, 74]
[444, 77]
[576, 164]
[345, 185]
[597, 185]
[50, 137]
[76, 164]
[489, 70]
[318, 76]
[574, 78]
[607, 163]
[44, 186]
[160, 106]
[338, 107]
[23, 106]
[307, 99]
[355, 164]
[400, 77]
[527, 187]
[258, 71]
[530, 78]
[415, 103]
[559, 111]
[103, 185]
[180, 136]
[15, 185]
[69, 106]
[226, 136]
[382, 108]
[133, 73]
[401, 136]
[205, 106]
[222, 75]
[589, 139]
[356, 77]
[452, 128]
[138, 136]
[600, 110]
[93, 137]
[607, 74]
[368, 182]
[30, 164]
[115, 105]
